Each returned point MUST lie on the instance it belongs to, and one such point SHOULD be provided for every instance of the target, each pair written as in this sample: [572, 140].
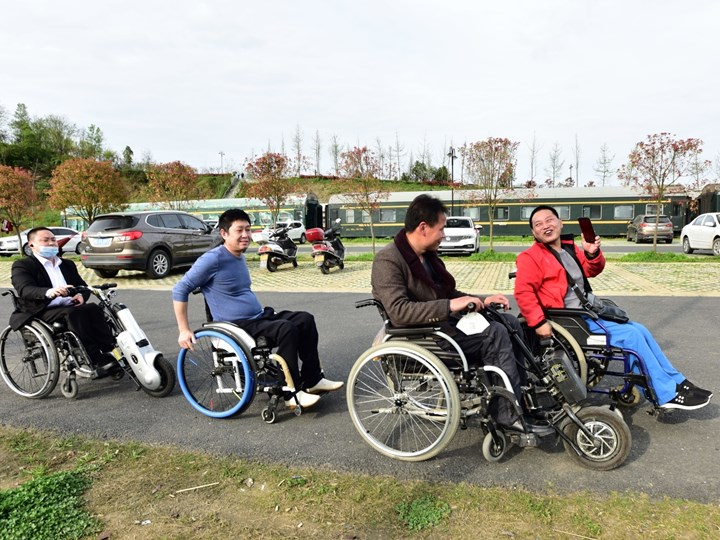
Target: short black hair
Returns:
[542, 207]
[423, 208]
[228, 217]
[32, 232]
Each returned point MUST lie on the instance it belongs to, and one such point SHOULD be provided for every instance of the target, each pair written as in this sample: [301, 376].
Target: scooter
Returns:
[279, 249]
[327, 247]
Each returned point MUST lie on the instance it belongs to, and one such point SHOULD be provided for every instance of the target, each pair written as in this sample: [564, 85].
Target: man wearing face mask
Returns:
[42, 281]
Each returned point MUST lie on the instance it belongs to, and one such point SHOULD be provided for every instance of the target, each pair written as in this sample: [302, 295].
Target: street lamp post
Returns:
[453, 157]
[571, 168]
[222, 169]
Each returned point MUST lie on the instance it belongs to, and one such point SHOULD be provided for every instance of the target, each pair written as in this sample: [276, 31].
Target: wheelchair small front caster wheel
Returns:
[494, 446]
[69, 388]
[268, 416]
[630, 398]
[117, 375]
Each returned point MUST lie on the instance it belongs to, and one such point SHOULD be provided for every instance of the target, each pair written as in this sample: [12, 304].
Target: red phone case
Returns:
[587, 229]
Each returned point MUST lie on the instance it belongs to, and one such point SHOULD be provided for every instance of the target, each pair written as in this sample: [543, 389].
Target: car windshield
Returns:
[109, 223]
[454, 223]
[654, 219]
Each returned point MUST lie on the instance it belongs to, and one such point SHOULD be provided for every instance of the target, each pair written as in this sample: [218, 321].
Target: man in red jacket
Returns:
[542, 282]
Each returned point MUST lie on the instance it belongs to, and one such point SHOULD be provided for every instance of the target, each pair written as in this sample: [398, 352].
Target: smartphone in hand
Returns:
[588, 233]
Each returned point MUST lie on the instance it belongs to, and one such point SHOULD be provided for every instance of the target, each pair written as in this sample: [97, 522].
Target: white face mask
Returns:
[48, 252]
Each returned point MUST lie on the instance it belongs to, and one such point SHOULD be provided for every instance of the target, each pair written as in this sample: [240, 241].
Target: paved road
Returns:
[677, 456]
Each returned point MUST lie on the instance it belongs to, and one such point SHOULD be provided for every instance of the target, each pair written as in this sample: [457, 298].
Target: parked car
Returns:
[702, 233]
[9, 244]
[642, 228]
[296, 232]
[461, 236]
[152, 241]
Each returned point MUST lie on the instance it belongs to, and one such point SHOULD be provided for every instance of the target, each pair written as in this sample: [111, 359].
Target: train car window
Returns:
[473, 213]
[387, 215]
[592, 211]
[365, 217]
[502, 213]
[652, 209]
[624, 211]
[563, 212]
[525, 212]
[349, 216]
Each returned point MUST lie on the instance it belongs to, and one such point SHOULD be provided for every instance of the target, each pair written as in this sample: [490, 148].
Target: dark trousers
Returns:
[296, 337]
[495, 347]
[88, 323]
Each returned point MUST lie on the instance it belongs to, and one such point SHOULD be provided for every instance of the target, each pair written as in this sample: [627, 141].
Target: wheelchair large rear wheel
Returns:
[609, 445]
[28, 360]
[403, 401]
[217, 377]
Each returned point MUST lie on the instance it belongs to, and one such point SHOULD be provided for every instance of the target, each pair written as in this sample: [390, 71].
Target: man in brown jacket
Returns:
[413, 285]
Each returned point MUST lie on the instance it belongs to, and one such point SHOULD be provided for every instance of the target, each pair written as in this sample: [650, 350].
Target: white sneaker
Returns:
[304, 399]
[325, 385]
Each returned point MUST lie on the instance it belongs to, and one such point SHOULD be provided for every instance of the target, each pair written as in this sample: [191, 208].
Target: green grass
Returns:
[67, 487]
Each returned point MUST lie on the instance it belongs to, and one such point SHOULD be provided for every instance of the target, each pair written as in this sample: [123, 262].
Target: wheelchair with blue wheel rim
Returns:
[226, 368]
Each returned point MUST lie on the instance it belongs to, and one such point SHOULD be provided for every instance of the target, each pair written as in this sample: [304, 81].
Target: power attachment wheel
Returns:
[341, 264]
[69, 388]
[268, 415]
[167, 378]
[494, 446]
[295, 263]
[271, 265]
[325, 269]
[298, 410]
[608, 445]
[403, 401]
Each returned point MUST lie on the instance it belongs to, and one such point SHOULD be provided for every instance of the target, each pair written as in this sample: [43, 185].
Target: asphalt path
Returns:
[676, 455]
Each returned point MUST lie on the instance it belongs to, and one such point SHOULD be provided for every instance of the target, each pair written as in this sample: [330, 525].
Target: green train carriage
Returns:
[610, 208]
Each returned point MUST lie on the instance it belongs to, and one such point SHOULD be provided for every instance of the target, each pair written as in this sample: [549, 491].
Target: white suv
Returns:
[461, 236]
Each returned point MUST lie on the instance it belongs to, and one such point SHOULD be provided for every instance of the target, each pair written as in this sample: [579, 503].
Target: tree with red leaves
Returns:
[270, 181]
[17, 197]
[87, 187]
[658, 163]
[174, 184]
[361, 170]
[491, 163]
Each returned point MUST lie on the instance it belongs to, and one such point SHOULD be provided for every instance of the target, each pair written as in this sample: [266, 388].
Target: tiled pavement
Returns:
[618, 279]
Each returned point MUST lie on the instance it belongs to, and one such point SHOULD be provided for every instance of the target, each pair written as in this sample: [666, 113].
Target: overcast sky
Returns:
[186, 79]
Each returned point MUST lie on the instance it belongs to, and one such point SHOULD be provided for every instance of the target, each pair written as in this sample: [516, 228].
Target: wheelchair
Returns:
[409, 393]
[33, 357]
[226, 369]
[594, 359]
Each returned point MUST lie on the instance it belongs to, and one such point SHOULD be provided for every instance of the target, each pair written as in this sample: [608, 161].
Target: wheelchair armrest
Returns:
[410, 330]
[571, 312]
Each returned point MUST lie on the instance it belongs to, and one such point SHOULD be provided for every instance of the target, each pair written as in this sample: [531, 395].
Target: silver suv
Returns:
[153, 241]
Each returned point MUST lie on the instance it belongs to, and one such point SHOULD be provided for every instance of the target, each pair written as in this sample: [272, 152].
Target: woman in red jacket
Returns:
[542, 282]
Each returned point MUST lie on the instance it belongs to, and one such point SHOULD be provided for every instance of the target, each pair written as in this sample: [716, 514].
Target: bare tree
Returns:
[316, 151]
[381, 157]
[603, 166]
[576, 154]
[297, 141]
[399, 153]
[534, 149]
[555, 164]
[335, 150]
[425, 157]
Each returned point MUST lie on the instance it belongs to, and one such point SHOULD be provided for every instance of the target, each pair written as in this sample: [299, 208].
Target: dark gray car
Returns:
[642, 229]
[152, 241]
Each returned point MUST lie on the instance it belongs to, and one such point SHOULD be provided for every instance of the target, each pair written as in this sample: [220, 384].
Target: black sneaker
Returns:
[687, 400]
[687, 386]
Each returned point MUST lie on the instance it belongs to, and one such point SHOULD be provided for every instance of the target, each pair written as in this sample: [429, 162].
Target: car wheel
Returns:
[629, 238]
[669, 241]
[106, 274]
[716, 247]
[686, 246]
[303, 238]
[27, 250]
[78, 249]
[158, 264]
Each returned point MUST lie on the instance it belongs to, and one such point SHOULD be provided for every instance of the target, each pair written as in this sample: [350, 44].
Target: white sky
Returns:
[186, 79]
